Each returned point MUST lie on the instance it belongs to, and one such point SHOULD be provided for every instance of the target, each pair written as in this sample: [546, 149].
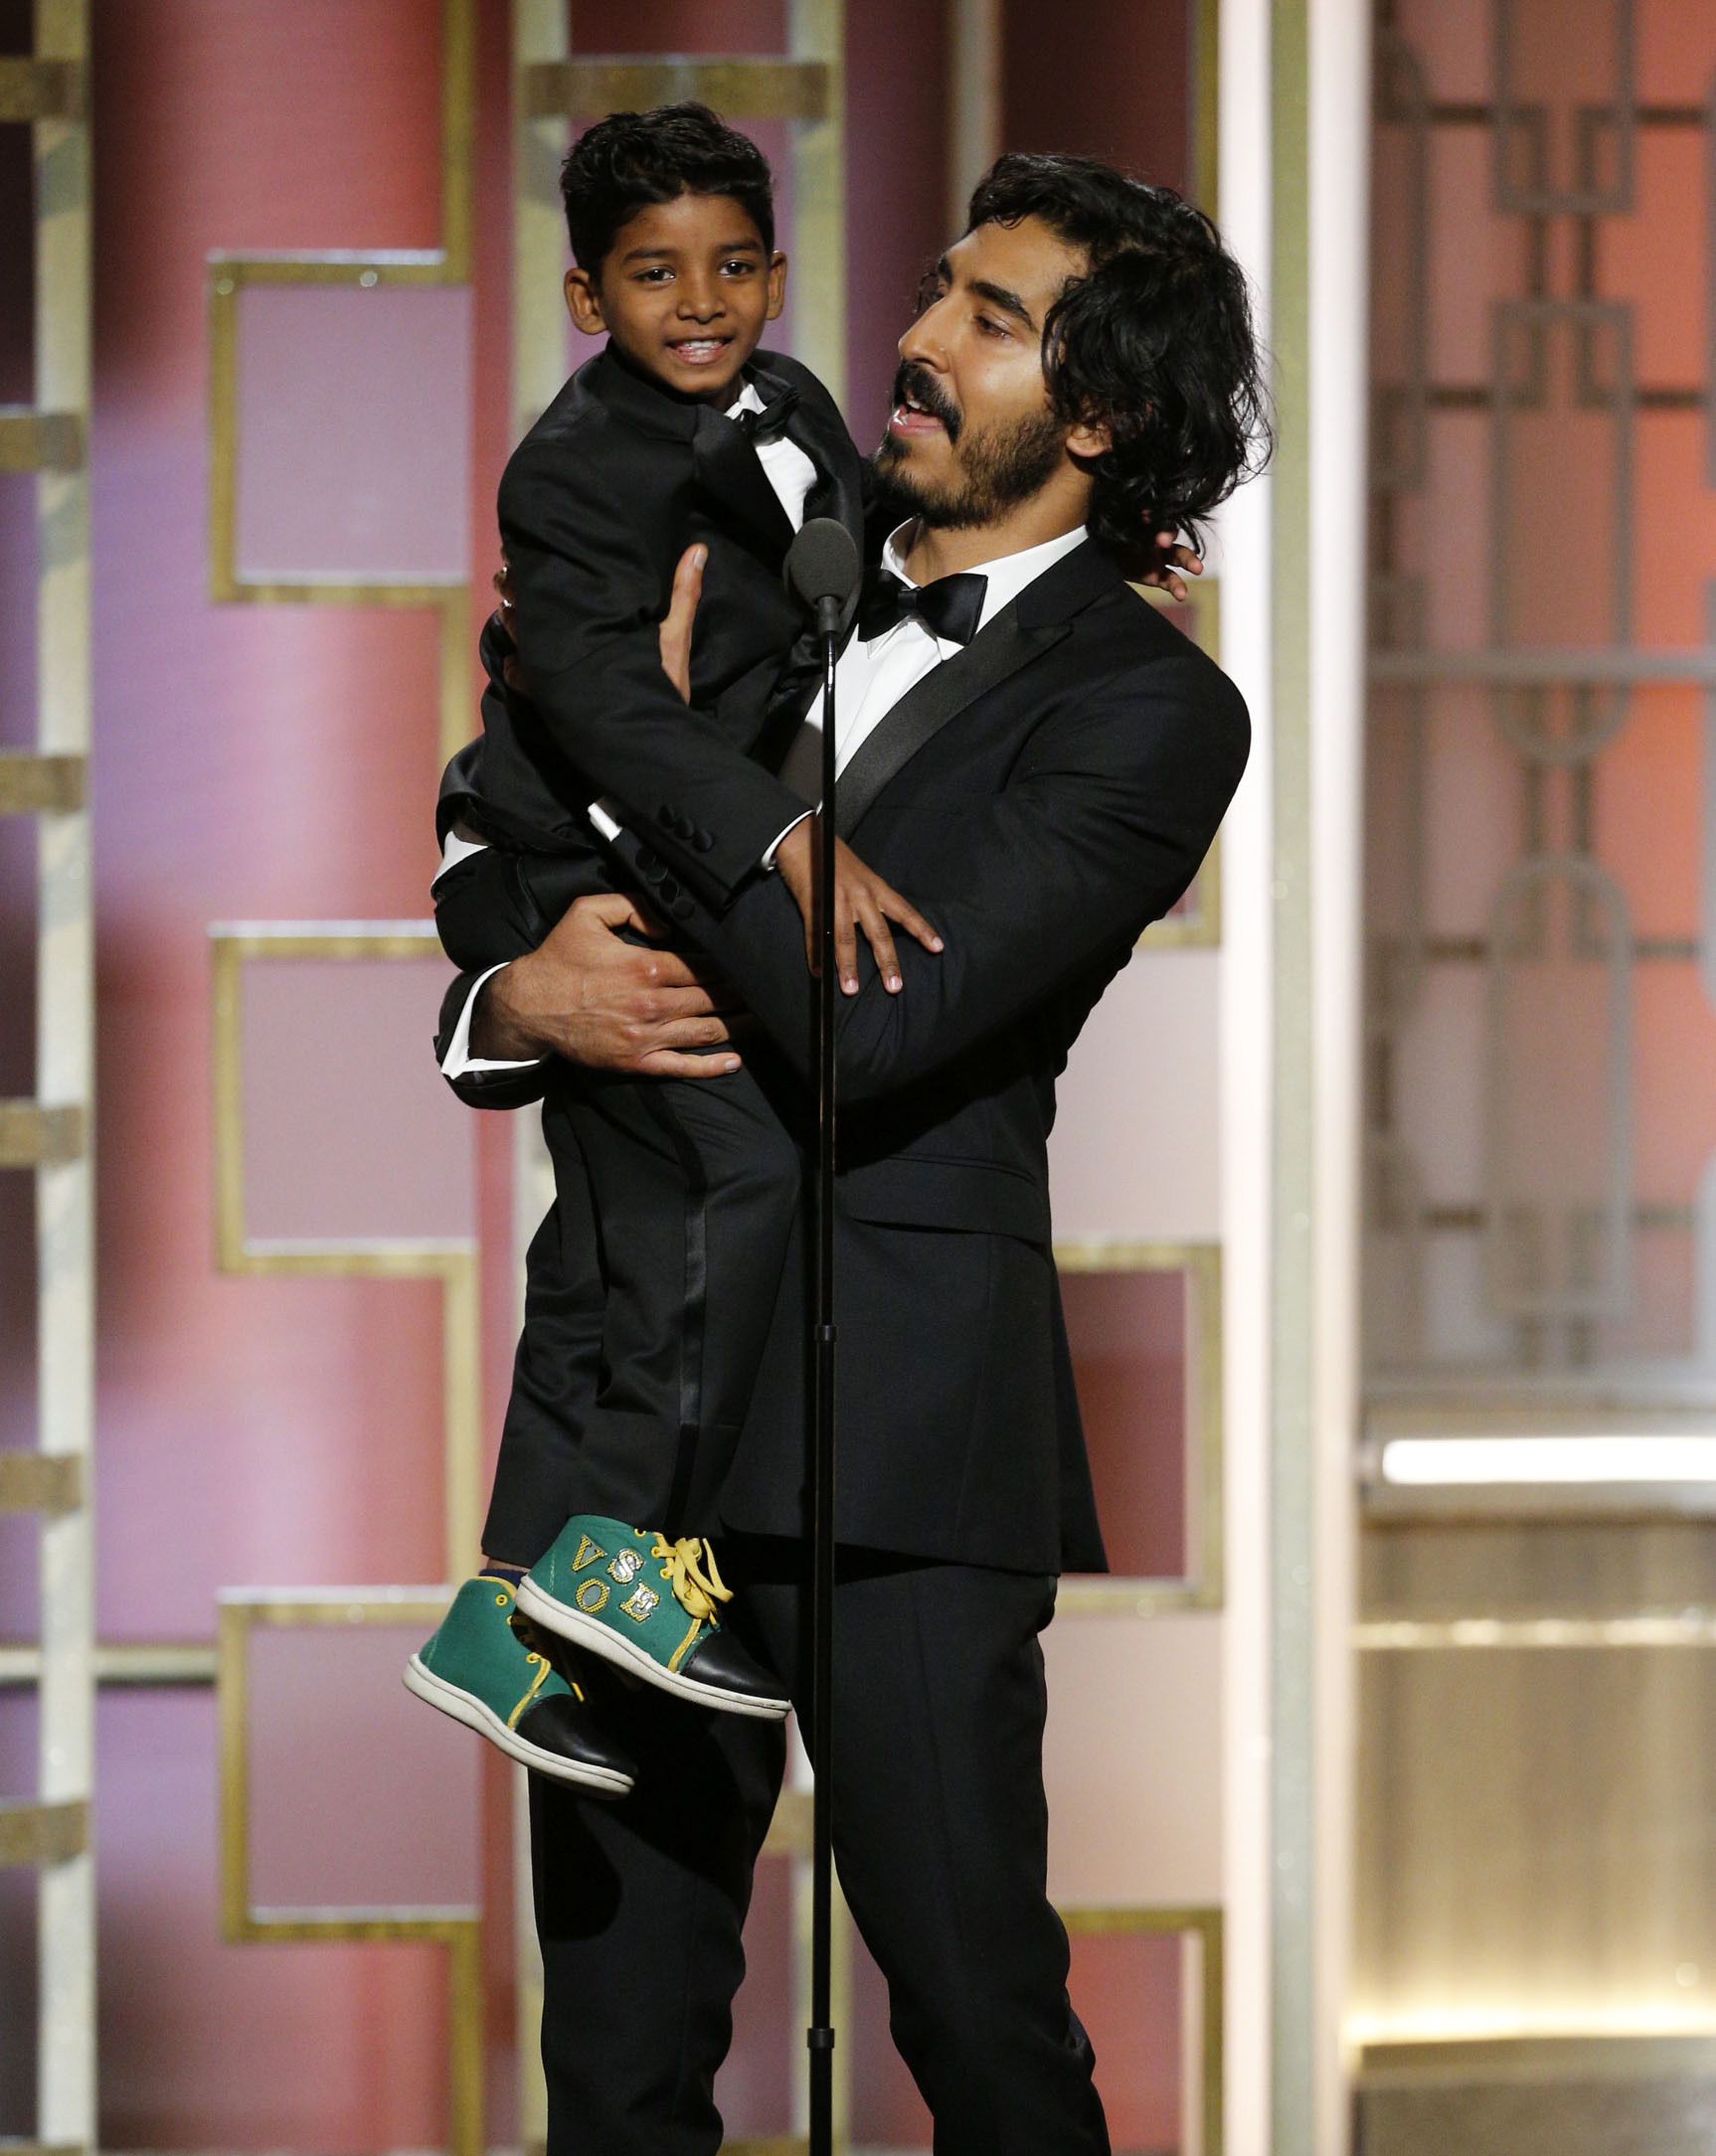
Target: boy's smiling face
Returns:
[685, 292]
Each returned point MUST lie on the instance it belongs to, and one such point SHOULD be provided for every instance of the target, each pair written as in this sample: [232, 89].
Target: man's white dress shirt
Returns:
[869, 680]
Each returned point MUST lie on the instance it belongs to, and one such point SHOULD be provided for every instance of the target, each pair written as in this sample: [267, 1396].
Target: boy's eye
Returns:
[656, 274]
[740, 266]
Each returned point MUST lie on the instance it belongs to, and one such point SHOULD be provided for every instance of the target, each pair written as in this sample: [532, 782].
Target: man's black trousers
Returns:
[941, 1840]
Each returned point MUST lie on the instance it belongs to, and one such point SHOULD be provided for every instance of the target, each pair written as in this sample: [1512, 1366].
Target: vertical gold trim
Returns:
[232, 1707]
[1205, 100]
[464, 2040]
[223, 427]
[457, 136]
[458, 712]
[461, 1345]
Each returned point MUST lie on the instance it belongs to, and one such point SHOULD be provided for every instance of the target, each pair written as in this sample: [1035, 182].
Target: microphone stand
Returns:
[820, 2035]
[823, 571]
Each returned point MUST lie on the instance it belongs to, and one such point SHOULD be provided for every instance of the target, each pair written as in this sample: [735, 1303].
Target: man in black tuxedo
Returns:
[1042, 761]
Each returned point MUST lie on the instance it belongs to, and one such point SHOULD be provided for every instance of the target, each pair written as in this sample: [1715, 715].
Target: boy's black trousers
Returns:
[650, 1292]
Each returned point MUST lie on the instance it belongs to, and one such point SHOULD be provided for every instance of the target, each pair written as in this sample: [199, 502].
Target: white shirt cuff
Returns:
[459, 1062]
[773, 847]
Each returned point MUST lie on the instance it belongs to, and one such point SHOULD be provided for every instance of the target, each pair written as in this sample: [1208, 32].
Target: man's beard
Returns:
[999, 466]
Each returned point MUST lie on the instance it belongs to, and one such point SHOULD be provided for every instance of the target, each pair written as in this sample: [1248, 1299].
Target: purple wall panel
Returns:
[361, 1796]
[354, 433]
[208, 2046]
[350, 1131]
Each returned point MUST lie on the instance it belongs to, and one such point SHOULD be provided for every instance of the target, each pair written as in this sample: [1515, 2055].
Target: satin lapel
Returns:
[920, 714]
[838, 491]
[728, 473]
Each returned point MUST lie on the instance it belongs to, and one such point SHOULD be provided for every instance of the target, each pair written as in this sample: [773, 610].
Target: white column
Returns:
[1247, 1038]
[65, 1040]
[1340, 135]
[973, 99]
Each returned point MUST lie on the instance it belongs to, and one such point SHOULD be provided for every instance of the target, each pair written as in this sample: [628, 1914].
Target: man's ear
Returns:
[584, 302]
[1090, 440]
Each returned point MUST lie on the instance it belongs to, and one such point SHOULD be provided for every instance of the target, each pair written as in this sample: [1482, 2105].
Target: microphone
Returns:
[822, 571]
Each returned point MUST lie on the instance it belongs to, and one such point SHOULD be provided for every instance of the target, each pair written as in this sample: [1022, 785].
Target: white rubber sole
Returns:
[466, 1706]
[596, 1638]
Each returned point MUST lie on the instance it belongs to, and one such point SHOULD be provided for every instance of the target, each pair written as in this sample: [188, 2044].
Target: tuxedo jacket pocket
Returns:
[980, 1196]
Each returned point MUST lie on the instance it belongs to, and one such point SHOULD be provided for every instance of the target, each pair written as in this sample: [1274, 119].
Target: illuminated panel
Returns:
[352, 434]
[349, 1131]
[358, 1800]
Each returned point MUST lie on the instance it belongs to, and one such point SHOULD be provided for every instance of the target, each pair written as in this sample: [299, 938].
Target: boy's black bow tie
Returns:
[949, 608]
[763, 426]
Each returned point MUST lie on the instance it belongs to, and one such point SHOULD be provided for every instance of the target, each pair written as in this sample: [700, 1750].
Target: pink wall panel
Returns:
[352, 434]
[1127, 1332]
[350, 1131]
[360, 1796]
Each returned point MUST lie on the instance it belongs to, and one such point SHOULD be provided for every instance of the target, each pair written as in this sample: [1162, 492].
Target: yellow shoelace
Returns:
[697, 1589]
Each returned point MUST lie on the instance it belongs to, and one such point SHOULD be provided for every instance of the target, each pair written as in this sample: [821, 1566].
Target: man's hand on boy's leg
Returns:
[611, 1005]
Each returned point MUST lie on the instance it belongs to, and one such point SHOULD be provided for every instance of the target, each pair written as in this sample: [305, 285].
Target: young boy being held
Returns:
[680, 432]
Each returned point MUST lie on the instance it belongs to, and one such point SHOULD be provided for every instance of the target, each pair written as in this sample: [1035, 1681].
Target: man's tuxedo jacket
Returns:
[597, 505]
[1042, 797]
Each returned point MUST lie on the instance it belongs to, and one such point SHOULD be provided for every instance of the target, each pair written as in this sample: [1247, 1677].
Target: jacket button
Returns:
[702, 841]
[682, 907]
[666, 815]
[647, 860]
[668, 889]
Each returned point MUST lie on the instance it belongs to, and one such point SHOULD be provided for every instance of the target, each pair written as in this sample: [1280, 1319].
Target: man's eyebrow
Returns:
[998, 296]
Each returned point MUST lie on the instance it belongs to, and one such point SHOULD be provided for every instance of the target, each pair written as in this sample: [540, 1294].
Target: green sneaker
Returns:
[484, 1667]
[649, 1606]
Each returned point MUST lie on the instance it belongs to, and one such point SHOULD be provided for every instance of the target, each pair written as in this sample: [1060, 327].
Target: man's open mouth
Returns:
[910, 417]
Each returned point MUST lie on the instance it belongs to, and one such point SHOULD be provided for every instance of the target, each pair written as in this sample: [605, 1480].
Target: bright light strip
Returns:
[1509, 2023]
[1467, 1460]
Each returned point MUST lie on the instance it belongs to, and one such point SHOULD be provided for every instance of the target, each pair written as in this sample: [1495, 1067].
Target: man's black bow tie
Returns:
[763, 426]
[949, 608]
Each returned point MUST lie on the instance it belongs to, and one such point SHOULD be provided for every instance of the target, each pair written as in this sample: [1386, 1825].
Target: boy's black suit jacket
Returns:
[597, 505]
[1042, 797]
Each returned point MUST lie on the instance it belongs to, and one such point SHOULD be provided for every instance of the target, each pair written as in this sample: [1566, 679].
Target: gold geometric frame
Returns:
[450, 263]
[1203, 1925]
[1202, 1588]
[458, 1928]
[452, 1261]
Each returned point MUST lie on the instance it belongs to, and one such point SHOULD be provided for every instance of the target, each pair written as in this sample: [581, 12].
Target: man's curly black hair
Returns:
[632, 159]
[1156, 341]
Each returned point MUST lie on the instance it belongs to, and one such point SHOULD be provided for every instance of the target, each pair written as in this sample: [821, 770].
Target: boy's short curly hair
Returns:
[1156, 341]
[632, 159]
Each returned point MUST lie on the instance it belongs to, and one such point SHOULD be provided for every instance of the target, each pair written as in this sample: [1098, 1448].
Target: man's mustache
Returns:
[920, 386]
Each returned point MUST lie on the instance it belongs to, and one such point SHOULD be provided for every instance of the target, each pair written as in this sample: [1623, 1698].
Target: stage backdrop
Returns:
[275, 763]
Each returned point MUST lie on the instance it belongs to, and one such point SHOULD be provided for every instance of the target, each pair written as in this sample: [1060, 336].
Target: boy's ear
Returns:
[776, 286]
[584, 302]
